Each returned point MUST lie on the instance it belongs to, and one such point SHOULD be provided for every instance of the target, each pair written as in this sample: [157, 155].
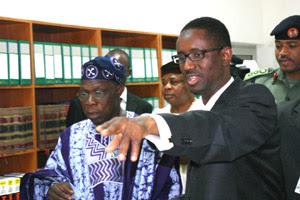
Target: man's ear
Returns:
[227, 55]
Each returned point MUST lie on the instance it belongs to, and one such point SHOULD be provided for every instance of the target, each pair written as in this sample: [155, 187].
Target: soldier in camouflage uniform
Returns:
[284, 82]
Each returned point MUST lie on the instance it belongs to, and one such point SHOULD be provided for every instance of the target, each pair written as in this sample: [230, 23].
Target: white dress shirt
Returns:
[183, 164]
[123, 97]
[162, 141]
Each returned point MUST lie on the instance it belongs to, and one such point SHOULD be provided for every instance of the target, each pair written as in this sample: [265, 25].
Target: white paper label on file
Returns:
[14, 66]
[94, 52]
[3, 47]
[166, 56]
[85, 51]
[148, 63]
[85, 54]
[4, 66]
[24, 48]
[25, 66]
[39, 66]
[76, 61]
[58, 62]
[49, 66]
[138, 65]
[25, 61]
[154, 63]
[67, 67]
[13, 47]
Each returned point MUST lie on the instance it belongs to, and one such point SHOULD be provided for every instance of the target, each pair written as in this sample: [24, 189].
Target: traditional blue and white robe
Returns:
[80, 159]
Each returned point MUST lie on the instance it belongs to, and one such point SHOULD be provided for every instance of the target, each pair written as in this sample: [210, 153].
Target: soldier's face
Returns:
[287, 53]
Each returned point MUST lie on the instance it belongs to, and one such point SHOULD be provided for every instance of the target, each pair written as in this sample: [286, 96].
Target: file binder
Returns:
[148, 64]
[67, 67]
[93, 52]
[85, 54]
[39, 63]
[138, 64]
[154, 64]
[76, 63]
[167, 55]
[25, 67]
[4, 67]
[58, 64]
[49, 63]
[13, 61]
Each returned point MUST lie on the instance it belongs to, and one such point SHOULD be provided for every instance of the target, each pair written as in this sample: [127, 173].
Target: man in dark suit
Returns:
[129, 101]
[289, 129]
[231, 143]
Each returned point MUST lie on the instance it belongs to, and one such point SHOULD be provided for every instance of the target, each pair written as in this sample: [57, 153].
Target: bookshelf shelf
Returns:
[58, 86]
[16, 87]
[143, 83]
[34, 94]
[16, 153]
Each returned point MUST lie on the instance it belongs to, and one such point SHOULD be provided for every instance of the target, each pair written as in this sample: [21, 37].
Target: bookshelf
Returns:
[35, 94]
[17, 96]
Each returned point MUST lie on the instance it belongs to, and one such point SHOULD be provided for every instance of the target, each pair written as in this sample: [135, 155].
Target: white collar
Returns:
[124, 95]
[211, 102]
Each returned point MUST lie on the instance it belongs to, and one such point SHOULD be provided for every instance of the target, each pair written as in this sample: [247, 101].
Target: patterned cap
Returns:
[104, 68]
[288, 29]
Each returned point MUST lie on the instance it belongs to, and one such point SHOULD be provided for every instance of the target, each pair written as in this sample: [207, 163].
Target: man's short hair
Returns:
[215, 30]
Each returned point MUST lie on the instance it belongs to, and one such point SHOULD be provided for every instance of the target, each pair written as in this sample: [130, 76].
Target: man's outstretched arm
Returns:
[128, 131]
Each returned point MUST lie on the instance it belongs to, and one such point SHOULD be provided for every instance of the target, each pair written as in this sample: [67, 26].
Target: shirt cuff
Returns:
[162, 141]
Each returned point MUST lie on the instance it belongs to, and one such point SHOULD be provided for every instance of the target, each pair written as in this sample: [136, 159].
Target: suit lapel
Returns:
[228, 93]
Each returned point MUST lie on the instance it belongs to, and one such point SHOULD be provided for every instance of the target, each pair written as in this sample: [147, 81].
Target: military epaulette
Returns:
[259, 72]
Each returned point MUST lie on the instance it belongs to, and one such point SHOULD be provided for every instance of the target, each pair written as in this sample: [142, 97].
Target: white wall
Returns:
[160, 16]
[249, 21]
[272, 13]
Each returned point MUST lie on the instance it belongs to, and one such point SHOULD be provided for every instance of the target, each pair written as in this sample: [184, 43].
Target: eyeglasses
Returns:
[172, 82]
[194, 55]
[97, 95]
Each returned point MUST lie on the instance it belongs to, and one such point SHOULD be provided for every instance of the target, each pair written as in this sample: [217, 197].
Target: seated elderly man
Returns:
[80, 168]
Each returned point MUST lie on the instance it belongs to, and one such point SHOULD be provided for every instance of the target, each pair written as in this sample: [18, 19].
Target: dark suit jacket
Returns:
[137, 104]
[289, 129]
[75, 112]
[233, 149]
[134, 103]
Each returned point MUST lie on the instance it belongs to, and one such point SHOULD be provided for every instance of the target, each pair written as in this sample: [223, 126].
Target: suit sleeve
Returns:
[232, 129]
